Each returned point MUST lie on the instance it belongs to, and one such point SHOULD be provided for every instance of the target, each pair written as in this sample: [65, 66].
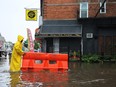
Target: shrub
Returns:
[90, 58]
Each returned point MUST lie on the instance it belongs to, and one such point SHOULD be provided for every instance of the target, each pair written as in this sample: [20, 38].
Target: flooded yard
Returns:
[78, 75]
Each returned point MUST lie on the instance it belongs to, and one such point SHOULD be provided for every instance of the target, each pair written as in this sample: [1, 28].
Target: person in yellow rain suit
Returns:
[17, 53]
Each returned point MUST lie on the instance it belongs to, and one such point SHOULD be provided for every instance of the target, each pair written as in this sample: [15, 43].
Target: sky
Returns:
[12, 18]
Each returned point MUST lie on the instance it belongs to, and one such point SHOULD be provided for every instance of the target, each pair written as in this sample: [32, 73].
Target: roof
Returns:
[60, 27]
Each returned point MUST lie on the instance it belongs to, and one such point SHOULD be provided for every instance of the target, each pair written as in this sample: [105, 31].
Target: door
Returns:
[107, 45]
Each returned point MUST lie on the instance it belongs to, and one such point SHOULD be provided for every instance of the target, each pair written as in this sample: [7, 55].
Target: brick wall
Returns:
[110, 11]
[60, 1]
[61, 9]
[69, 9]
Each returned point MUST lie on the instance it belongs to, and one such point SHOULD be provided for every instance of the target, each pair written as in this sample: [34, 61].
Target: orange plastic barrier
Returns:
[35, 61]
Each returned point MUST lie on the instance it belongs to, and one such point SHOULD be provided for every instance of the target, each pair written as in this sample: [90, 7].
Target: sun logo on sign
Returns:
[31, 15]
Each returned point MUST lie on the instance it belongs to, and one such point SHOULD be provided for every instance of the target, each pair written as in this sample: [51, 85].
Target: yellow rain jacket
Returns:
[17, 53]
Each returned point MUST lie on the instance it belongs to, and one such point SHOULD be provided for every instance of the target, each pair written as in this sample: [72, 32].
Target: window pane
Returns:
[84, 5]
[83, 14]
[103, 9]
[84, 9]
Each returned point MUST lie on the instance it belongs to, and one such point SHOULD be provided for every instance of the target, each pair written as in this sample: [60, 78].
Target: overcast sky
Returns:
[12, 18]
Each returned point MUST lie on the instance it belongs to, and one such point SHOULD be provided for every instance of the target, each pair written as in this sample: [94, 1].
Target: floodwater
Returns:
[78, 75]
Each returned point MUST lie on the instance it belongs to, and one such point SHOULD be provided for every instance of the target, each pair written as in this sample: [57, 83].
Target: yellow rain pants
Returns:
[17, 53]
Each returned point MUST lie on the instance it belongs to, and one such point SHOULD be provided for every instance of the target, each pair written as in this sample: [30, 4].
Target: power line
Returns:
[100, 8]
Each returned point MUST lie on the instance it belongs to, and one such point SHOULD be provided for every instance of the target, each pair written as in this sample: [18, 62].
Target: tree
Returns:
[36, 44]
[26, 43]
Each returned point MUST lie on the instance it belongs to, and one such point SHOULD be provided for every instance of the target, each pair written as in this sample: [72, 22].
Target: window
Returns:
[83, 9]
[103, 9]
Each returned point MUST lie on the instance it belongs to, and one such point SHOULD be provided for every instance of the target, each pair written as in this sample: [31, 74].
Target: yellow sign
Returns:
[31, 15]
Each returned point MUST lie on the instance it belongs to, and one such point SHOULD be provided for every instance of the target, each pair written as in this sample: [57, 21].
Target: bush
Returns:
[90, 58]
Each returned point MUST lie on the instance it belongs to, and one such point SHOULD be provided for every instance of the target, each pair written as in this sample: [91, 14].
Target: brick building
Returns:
[88, 26]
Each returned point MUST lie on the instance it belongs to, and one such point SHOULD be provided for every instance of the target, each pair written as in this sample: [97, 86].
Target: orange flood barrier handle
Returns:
[35, 61]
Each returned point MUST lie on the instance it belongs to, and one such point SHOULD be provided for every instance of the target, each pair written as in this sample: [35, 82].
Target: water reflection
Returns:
[15, 79]
[4, 79]
[39, 79]
[4, 65]
[45, 78]
[79, 75]
[92, 75]
[4, 72]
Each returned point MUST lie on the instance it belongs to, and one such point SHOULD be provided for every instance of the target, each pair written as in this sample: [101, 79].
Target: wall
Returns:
[100, 28]
[60, 9]
[69, 9]
[110, 11]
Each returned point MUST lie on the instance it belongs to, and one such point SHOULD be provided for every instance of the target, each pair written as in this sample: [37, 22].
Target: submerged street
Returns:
[78, 75]
[62, 43]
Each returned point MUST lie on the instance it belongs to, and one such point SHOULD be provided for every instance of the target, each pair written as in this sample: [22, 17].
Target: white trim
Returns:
[81, 41]
[104, 7]
[86, 10]
[44, 45]
[82, 46]
[56, 45]
[40, 20]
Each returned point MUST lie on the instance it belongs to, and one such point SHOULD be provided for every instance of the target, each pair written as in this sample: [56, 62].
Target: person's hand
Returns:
[24, 54]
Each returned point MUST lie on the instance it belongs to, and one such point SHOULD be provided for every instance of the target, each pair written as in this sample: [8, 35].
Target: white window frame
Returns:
[56, 45]
[83, 9]
[104, 7]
